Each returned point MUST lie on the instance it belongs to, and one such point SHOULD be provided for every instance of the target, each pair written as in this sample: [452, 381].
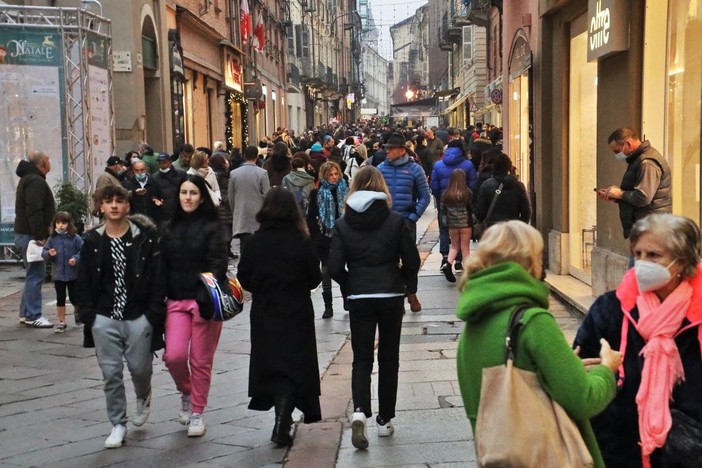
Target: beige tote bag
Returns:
[518, 424]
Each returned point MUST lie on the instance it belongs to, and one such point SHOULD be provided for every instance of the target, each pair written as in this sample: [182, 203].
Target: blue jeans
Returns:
[30, 303]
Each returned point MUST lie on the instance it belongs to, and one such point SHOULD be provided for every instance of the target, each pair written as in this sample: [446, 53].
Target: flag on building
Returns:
[259, 33]
[245, 21]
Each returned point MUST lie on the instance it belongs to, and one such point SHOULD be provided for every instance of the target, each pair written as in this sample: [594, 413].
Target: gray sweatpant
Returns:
[115, 340]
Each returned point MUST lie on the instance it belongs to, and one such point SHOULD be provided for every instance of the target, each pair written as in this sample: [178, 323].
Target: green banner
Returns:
[97, 51]
[20, 46]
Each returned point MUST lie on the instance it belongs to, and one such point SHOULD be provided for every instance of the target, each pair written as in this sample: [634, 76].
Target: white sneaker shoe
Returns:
[359, 437]
[386, 429]
[142, 411]
[196, 428]
[41, 322]
[185, 409]
[117, 436]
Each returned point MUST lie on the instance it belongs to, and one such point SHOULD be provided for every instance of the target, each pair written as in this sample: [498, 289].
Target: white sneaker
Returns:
[116, 439]
[41, 322]
[196, 428]
[386, 429]
[185, 409]
[359, 437]
[142, 411]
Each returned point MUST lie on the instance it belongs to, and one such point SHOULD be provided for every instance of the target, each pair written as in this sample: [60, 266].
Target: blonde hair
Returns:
[510, 241]
[362, 150]
[371, 179]
[199, 160]
[327, 167]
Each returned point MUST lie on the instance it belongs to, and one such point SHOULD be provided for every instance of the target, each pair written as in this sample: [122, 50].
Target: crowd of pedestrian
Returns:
[341, 204]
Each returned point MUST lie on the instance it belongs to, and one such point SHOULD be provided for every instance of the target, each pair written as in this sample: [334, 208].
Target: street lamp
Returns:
[409, 94]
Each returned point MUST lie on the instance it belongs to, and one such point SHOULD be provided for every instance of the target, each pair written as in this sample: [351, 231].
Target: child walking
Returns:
[457, 208]
[63, 249]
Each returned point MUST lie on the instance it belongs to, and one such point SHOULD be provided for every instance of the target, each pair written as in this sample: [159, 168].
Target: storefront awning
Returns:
[455, 104]
[447, 93]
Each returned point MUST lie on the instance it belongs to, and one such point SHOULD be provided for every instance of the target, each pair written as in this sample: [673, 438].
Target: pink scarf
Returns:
[658, 324]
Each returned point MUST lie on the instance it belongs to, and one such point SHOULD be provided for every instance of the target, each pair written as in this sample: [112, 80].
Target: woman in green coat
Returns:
[503, 273]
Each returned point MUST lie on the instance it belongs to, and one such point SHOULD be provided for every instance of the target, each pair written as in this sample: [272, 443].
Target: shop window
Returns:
[684, 101]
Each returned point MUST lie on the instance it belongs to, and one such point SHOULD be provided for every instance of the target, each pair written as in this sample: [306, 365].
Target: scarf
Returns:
[329, 208]
[658, 324]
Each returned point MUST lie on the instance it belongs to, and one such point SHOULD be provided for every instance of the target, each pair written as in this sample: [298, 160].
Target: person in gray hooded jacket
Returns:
[300, 183]
[374, 258]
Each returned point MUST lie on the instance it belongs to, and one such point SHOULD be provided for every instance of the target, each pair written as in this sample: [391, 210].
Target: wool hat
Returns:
[396, 140]
[316, 147]
[163, 157]
[327, 138]
[112, 160]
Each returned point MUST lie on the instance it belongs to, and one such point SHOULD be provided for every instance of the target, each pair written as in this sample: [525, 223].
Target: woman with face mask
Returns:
[654, 319]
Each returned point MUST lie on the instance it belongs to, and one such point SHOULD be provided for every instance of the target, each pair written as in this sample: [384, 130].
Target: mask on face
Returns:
[652, 276]
[165, 170]
[135, 160]
[140, 177]
[121, 172]
[620, 156]
[60, 231]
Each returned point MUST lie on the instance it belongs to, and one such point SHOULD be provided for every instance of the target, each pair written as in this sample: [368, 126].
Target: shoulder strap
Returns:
[494, 200]
[513, 328]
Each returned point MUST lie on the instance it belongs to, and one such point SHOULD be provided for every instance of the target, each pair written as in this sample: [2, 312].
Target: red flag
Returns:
[259, 33]
[245, 22]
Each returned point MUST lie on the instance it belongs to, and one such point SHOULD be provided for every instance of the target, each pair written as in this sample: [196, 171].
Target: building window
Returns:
[467, 45]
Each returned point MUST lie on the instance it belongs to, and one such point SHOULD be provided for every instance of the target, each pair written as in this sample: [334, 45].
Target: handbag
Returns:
[219, 302]
[480, 227]
[683, 447]
[518, 424]
[34, 251]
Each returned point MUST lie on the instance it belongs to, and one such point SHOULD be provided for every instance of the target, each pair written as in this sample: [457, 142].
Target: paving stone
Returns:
[404, 455]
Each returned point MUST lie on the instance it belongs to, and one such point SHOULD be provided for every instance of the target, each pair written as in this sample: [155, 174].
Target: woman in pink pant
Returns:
[191, 244]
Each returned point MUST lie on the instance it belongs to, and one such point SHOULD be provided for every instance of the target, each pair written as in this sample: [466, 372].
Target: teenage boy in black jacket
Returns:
[122, 305]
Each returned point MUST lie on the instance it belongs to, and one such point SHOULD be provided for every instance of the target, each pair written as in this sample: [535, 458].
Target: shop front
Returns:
[235, 104]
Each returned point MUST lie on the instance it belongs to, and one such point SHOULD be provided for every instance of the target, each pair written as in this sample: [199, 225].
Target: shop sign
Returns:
[177, 61]
[233, 73]
[520, 61]
[607, 28]
[369, 110]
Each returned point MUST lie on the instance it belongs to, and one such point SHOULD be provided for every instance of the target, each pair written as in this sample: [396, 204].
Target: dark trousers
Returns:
[242, 236]
[365, 315]
[61, 287]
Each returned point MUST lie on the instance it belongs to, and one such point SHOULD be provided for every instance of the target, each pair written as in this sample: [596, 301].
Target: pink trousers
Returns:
[191, 342]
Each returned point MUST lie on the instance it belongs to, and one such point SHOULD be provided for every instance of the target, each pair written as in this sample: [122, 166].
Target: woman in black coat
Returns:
[373, 256]
[512, 201]
[279, 267]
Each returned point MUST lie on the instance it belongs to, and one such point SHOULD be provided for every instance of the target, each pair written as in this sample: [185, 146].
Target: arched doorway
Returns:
[153, 107]
[521, 135]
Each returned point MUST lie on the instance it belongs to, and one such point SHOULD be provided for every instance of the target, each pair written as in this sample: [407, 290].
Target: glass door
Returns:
[582, 161]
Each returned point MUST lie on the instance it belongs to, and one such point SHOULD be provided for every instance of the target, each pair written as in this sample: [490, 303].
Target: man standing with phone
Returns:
[646, 184]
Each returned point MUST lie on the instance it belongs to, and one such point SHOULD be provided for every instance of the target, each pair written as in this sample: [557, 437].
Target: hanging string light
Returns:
[230, 127]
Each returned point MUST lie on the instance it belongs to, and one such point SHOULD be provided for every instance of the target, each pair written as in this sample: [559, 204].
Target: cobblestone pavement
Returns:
[52, 407]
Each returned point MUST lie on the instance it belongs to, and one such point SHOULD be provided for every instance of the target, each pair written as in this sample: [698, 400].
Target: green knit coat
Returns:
[485, 305]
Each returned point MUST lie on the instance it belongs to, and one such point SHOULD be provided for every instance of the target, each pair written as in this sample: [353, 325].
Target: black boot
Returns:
[328, 310]
[283, 420]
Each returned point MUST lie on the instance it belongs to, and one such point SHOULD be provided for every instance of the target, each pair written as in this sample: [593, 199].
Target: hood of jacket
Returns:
[299, 178]
[497, 288]
[366, 210]
[453, 156]
[25, 168]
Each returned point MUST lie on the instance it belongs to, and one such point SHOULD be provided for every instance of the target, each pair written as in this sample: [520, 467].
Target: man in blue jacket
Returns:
[408, 187]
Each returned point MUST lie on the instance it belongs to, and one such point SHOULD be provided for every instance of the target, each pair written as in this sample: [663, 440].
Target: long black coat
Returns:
[279, 267]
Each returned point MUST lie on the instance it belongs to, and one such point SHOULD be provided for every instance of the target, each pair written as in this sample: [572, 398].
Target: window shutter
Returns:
[305, 41]
[290, 36]
[467, 45]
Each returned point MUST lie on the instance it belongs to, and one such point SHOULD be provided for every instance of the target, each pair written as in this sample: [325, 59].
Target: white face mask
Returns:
[652, 276]
[620, 156]
[165, 170]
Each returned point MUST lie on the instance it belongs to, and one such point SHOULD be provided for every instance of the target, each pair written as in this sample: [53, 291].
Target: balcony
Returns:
[311, 75]
[477, 12]
[450, 32]
[293, 84]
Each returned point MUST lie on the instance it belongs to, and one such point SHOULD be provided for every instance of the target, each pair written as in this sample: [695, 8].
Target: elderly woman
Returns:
[502, 274]
[653, 317]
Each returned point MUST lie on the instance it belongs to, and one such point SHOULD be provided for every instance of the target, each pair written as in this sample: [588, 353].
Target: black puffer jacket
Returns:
[34, 204]
[144, 278]
[617, 428]
[191, 246]
[512, 203]
[368, 245]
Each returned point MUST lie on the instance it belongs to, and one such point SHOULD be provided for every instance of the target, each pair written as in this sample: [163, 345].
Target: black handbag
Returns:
[683, 447]
[480, 227]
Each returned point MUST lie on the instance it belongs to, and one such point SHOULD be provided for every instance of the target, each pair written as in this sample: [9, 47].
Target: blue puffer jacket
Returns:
[408, 186]
[441, 174]
[67, 247]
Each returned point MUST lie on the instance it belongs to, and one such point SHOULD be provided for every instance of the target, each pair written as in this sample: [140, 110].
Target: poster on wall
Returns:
[31, 111]
[100, 106]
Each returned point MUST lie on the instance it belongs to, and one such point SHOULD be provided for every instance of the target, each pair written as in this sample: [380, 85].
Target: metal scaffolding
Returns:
[75, 25]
